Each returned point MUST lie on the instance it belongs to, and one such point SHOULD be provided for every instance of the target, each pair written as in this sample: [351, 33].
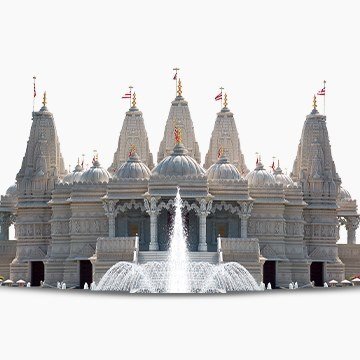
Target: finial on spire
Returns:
[314, 102]
[95, 157]
[134, 100]
[44, 102]
[179, 88]
[225, 100]
[178, 135]
[221, 152]
[132, 150]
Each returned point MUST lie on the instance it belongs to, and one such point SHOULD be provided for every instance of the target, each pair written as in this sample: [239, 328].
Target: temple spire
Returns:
[225, 133]
[180, 113]
[133, 132]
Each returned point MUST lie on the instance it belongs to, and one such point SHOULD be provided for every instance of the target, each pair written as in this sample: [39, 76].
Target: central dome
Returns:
[178, 164]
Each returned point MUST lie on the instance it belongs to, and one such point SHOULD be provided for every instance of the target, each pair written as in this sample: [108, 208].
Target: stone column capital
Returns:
[151, 205]
[245, 209]
[204, 206]
[350, 222]
[110, 207]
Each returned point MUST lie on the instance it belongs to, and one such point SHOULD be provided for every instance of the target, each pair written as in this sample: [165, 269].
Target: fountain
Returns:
[178, 274]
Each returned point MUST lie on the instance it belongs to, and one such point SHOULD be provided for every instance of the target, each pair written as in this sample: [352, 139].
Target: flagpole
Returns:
[221, 100]
[176, 79]
[324, 94]
[34, 78]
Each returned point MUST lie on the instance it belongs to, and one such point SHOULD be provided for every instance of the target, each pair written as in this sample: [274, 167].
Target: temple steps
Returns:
[196, 256]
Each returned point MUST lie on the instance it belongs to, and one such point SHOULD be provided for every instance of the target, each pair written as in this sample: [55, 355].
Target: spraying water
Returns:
[178, 261]
[178, 274]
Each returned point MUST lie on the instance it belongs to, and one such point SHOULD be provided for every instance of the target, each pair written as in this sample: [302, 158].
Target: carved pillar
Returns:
[203, 211]
[152, 210]
[351, 223]
[111, 212]
[244, 214]
[6, 219]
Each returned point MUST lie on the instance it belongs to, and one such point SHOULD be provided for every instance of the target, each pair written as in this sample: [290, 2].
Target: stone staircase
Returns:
[196, 256]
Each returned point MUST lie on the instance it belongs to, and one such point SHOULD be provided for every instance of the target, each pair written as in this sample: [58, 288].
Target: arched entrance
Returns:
[85, 269]
[269, 273]
[37, 272]
[317, 273]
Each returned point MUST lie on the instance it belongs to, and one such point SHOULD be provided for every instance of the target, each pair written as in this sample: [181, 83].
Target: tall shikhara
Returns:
[179, 116]
[226, 136]
[133, 134]
[314, 169]
[41, 169]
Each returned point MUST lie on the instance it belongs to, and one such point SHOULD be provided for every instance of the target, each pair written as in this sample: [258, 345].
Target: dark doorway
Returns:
[37, 272]
[317, 273]
[85, 273]
[269, 273]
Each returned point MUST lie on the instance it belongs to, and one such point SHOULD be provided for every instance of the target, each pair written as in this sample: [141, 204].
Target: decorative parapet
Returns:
[240, 250]
[350, 256]
[7, 250]
[115, 249]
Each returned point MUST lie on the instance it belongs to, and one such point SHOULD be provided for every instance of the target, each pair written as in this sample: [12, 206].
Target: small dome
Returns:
[12, 190]
[74, 176]
[260, 177]
[344, 195]
[223, 170]
[178, 164]
[282, 178]
[95, 175]
[134, 168]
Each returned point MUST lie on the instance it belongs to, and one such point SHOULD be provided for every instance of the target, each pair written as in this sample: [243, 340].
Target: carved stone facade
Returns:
[74, 231]
[225, 135]
[179, 115]
[133, 133]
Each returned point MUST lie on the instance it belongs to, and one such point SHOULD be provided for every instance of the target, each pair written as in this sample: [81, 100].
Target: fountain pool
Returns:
[178, 274]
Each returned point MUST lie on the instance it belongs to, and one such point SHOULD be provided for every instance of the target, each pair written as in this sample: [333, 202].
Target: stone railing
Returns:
[350, 256]
[241, 250]
[7, 255]
[117, 249]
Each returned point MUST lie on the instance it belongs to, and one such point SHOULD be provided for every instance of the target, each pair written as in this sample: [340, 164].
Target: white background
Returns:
[271, 57]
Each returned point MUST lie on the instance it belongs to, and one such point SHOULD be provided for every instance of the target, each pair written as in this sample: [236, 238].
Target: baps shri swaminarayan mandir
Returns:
[73, 226]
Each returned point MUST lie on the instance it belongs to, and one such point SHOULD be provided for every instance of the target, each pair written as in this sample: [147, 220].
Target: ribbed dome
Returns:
[223, 170]
[134, 168]
[178, 164]
[74, 176]
[95, 175]
[12, 190]
[260, 177]
[344, 195]
[282, 178]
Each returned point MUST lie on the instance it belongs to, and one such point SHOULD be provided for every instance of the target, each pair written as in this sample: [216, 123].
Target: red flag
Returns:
[34, 90]
[218, 97]
[127, 96]
[321, 92]
[257, 160]
[175, 76]
[273, 165]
